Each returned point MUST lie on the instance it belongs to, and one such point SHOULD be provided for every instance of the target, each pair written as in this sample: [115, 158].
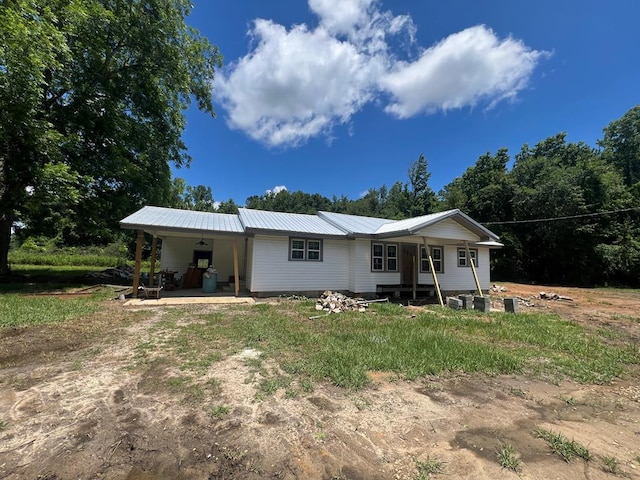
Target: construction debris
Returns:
[336, 302]
[554, 296]
[497, 288]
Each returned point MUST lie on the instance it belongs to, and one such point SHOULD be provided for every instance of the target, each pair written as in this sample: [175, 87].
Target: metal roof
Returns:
[324, 223]
[413, 224]
[172, 218]
[355, 224]
[286, 222]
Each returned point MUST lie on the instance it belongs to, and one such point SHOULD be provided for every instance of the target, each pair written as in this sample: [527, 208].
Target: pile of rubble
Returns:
[336, 302]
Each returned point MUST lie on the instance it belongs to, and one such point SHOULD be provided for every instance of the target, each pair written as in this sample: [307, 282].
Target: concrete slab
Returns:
[219, 300]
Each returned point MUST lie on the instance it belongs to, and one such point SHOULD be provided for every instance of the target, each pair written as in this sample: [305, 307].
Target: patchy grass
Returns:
[610, 465]
[429, 466]
[344, 348]
[562, 446]
[220, 411]
[508, 457]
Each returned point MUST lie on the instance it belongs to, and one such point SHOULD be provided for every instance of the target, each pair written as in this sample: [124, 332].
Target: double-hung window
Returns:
[305, 249]
[384, 257]
[463, 261]
[436, 257]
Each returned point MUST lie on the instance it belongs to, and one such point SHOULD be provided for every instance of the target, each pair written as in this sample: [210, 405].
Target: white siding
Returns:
[449, 229]
[457, 278]
[272, 271]
[177, 254]
[366, 280]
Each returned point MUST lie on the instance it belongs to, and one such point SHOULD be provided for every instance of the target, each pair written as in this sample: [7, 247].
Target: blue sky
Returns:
[339, 96]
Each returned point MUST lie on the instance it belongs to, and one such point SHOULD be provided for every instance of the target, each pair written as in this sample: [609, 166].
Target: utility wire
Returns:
[569, 217]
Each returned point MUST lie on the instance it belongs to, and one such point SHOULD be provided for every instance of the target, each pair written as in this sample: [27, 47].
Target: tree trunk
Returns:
[6, 221]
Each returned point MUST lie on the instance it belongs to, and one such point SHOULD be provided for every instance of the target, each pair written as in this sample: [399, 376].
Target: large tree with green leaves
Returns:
[96, 90]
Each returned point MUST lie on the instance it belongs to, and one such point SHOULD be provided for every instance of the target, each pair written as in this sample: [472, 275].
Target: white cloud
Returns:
[296, 84]
[463, 69]
[299, 83]
[276, 190]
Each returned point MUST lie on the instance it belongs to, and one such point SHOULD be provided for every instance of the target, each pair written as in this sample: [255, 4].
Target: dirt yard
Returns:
[74, 406]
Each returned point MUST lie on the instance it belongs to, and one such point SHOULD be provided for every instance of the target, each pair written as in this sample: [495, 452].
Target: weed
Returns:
[517, 392]
[610, 465]
[291, 393]
[429, 466]
[306, 385]
[214, 385]
[270, 386]
[219, 410]
[562, 446]
[508, 457]
[3, 425]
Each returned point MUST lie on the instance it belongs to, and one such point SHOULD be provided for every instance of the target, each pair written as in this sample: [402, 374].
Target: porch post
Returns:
[152, 270]
[413, 275]
[473, 268]
[136, 270]
[236, 275]
[433, 271]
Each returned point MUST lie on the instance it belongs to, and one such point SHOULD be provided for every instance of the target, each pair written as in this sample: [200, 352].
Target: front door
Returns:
[408, 255]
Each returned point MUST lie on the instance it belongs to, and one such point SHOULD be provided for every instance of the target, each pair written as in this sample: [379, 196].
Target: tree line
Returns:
[566, 212]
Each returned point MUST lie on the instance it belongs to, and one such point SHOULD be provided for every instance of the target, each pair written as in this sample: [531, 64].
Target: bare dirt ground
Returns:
[72, 405]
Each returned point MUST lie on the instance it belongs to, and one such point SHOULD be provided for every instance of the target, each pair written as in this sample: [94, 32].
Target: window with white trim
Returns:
[384, 257]
[437, 258]
[377, 257]
[462, 257]
[305, 249]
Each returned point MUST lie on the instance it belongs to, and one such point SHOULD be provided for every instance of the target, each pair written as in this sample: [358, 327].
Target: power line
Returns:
[569, 217]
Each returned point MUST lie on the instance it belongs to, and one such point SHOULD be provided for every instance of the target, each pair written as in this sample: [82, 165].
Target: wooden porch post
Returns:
[236, 275]
[152, 270]
[136, 270]
[413, 275]
[473, 268]
[433, 271]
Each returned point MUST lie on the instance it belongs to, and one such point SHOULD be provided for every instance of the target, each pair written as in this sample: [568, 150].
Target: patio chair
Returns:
[151, 292]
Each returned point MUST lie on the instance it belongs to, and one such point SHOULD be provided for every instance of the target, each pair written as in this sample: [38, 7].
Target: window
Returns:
[384, 257]
[462, 257]
[436, 257]
[305, 249]
[392, 258]
[377, 257]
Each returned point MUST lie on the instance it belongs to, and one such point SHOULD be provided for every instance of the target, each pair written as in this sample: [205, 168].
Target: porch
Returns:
[191, 296]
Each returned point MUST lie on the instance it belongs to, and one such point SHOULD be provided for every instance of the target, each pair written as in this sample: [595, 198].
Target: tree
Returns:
[100, 87]
[621, 145]
[423, 198]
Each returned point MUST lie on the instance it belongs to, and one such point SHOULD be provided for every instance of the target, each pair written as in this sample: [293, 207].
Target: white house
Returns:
[273, 252]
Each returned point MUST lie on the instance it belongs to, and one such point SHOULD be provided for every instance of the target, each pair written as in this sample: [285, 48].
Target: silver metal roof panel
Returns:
[287, 222]
[413, 224]
[355, 224]
[161, 217]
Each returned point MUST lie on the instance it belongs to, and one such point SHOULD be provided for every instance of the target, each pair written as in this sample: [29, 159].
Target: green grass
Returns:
[219, 411]
[610, 465]
[58, 259]
[562, 446]
[18, 310]
[508, 457]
